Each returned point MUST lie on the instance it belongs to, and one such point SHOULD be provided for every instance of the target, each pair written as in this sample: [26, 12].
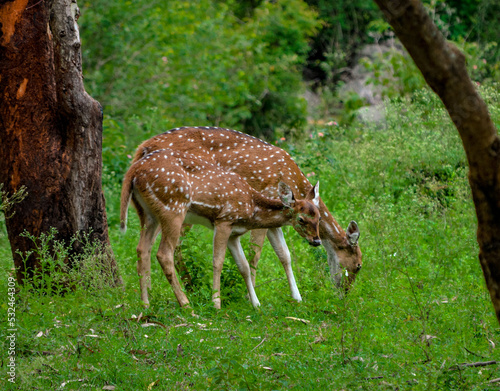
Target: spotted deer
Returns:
[170, 188]
[262, 166]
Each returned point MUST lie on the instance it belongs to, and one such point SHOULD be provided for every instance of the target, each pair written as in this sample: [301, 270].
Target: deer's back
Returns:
[259, 163]
[178, 181]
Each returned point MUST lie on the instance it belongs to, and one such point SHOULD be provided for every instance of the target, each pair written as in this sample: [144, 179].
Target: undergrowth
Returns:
[418, 309]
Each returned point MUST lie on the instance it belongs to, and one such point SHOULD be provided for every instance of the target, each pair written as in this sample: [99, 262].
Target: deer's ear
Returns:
[352, 233]
[313, 195]
[286, 194]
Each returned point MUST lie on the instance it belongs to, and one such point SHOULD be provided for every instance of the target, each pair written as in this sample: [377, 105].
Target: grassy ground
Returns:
[418, 308]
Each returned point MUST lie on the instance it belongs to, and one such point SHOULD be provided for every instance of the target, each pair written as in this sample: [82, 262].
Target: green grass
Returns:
[418, 308]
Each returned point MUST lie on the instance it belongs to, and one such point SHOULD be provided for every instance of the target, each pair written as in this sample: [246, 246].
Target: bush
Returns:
[195, 63]
[60, 270]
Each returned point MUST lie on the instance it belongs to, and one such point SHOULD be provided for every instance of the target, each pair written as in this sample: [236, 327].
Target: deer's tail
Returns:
[125, 199]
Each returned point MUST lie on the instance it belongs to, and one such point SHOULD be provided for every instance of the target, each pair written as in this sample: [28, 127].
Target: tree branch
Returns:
[443, 67]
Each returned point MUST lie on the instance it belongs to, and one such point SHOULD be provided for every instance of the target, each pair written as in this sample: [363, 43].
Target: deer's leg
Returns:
[277, 240]
[149, 231]
[180, 265]
[171, 231]
[236, 250]
[221, 237]
[256, 242]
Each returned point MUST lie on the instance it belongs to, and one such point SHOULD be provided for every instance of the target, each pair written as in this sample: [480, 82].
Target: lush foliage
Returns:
[418, 308]
[156, 65]
[201, 64]
[349, 24]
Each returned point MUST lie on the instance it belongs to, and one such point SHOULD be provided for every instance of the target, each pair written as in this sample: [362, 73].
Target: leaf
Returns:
[427, 337]
[154, 384]
[63, 384]
[319, 339]
[138, 351]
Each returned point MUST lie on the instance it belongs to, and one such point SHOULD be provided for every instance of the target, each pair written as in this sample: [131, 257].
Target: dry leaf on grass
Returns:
[180, 351]
[63, 384]
[138, 351]
[427, 338]
[154, 384]
[319, 339]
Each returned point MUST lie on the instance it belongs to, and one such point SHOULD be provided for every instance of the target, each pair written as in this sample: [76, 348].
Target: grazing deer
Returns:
[262, 166]
[171, 188]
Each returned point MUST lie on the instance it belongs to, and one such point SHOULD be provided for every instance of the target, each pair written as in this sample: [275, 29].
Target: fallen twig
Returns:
[297, 319]
[138, 352]
[474, 354]
[154, 322]
[373, 378]
[51, 367]
[260, 343]
[42, 353]
[85, 346]
[472, 364]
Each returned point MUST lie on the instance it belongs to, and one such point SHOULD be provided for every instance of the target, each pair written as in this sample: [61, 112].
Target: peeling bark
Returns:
[443, 67]
[50, 128]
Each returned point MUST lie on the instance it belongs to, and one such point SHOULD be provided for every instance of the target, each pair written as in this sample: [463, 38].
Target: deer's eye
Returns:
[301, 220]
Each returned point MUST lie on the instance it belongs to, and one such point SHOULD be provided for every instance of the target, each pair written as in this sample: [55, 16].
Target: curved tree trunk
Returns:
[443, 67]
[50, 129]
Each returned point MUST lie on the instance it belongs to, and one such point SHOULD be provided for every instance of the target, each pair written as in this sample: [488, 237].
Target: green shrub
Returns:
[195, 63]
[60, 270]
[8, 201]
[395, 72]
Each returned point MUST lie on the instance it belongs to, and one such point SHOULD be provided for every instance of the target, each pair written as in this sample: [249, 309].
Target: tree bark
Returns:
[443, 67]
[50, 129]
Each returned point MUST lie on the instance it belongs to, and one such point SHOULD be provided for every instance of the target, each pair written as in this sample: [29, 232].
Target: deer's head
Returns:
[305, 213]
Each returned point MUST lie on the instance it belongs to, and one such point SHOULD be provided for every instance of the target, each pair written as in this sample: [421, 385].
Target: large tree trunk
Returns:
[443, 67]
[50, 129]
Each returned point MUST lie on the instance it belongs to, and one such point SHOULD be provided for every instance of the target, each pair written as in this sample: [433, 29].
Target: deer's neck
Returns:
[269, 213]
